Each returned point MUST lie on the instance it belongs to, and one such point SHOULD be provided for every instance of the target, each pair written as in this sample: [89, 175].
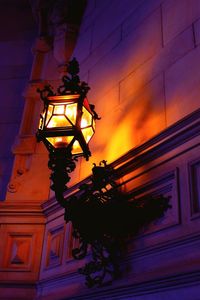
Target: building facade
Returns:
[141, 60]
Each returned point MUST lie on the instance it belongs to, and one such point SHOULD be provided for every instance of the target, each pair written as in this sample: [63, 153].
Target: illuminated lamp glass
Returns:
[67, 121]
[87, 122]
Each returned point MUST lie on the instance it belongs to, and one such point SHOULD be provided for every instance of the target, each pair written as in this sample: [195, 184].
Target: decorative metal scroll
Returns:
[71, 83]
[103, 217]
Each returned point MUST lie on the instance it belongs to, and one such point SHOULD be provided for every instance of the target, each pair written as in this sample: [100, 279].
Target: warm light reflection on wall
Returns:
[121, 129]
[130, 103]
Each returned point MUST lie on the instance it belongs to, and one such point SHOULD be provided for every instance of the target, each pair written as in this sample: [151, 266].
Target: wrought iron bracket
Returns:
[61, 163]
[103, 217]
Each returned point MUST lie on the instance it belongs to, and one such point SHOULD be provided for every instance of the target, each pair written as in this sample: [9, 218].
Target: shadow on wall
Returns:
[131, 123]
[132, 111]
[128, 90]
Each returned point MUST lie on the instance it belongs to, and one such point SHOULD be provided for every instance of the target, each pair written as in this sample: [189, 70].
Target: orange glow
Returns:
[87, 133]
[59, 109]
[131, 103]
[64, 141]
[61, 115]
[86, 125]
[60, 141]
[66, 98]
[76, 149]
[71, 112]
[86, 118]
[58, 121]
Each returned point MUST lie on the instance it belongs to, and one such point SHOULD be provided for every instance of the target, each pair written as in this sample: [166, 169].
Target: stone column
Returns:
[22, 221]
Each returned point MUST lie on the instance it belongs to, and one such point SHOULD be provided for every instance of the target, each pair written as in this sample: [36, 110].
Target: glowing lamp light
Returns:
[67, 120]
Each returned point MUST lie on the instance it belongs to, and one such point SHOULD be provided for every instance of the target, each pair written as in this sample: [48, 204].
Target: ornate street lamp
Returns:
[67, 124]
[102, 216]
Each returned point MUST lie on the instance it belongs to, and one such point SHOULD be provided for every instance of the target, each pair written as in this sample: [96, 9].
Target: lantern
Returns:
[67, 120]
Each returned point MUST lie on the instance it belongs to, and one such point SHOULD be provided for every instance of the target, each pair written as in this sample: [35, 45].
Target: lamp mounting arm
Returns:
[61, 163]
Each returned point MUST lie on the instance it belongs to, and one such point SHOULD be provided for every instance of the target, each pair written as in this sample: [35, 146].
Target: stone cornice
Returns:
[21, 212]
[129, 289]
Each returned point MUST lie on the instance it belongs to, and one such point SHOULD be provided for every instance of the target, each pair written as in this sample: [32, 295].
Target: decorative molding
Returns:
[21, 210]
[166, 283]
[65, 278]
[168, 186]
[194, 186]
[70, 241]
[169, 245]
[55, 241]
[21, 167]
[19, 247]
[121, 291]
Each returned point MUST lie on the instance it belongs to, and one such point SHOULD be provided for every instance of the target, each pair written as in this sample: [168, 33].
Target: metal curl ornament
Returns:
[103, 218]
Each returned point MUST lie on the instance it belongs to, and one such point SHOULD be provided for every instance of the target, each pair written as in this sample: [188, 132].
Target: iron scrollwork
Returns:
[103, 218]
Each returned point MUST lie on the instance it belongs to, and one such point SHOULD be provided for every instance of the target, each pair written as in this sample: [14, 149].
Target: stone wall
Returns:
[141, 61]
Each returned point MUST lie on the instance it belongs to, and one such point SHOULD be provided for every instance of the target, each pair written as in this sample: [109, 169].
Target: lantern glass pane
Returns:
[58, 121]
[71, 112]
[76, 149]
[49, 113]
[60, 141]
[87, 133]
[86, 119]
[59, 109]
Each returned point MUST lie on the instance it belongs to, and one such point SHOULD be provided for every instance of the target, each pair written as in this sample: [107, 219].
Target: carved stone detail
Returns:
[194, 180]
[22, 165]
[55, 247]
[18, 253]
[20, 249]
[13, 186]
[168, 186]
